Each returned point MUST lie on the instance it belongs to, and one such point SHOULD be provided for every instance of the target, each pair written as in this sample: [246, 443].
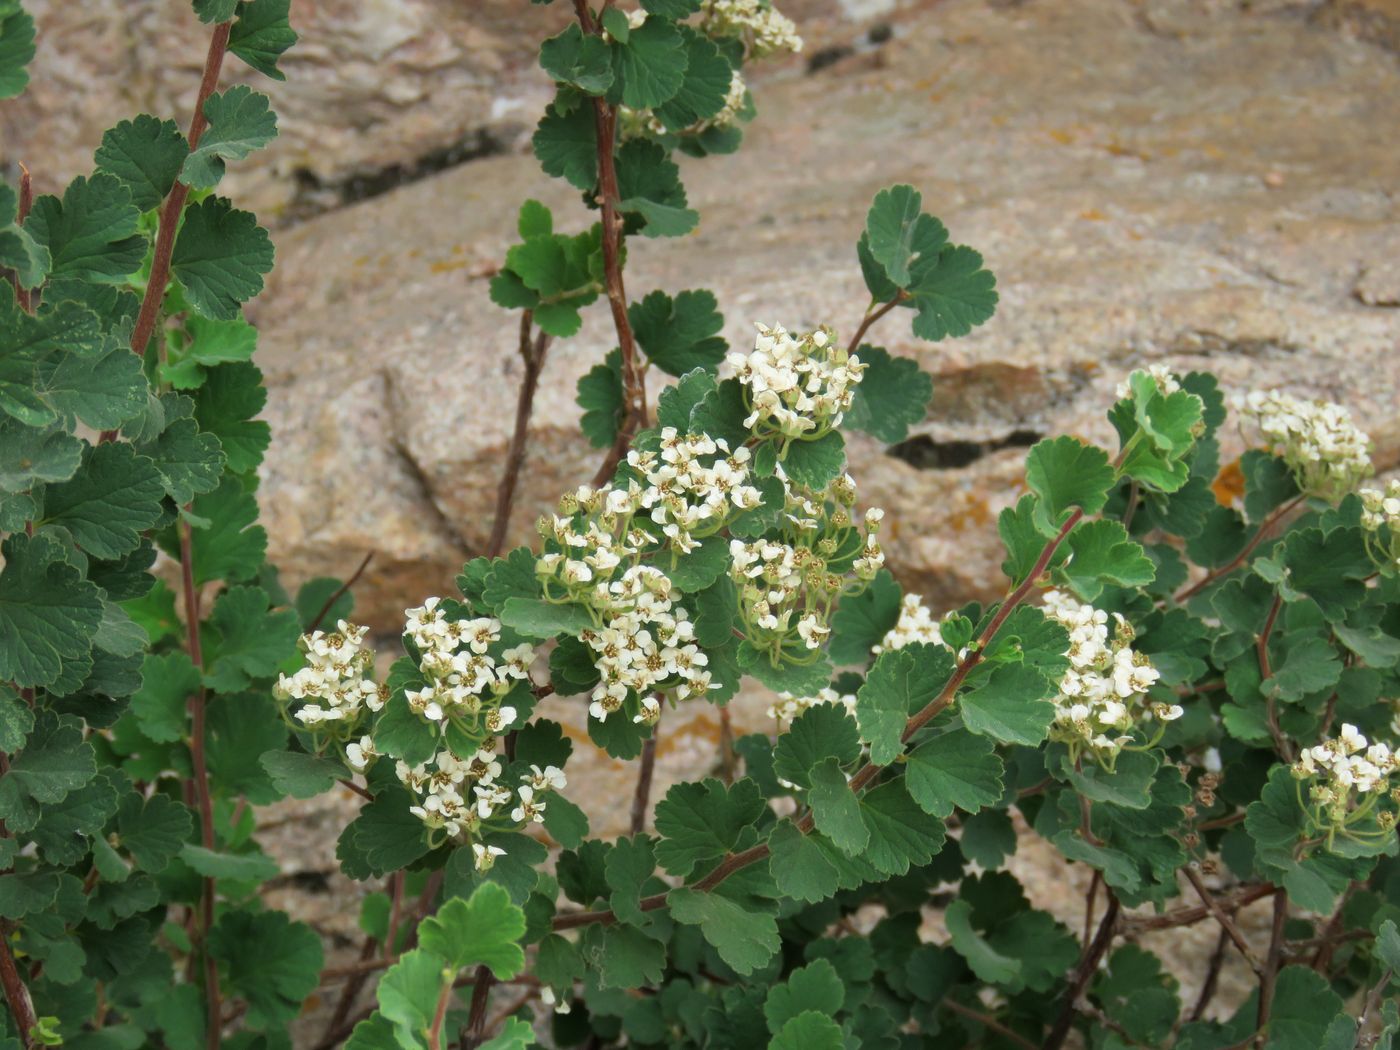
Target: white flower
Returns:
[762, 27]
[486, 855]
[915, 625]
[528, 810]
[360, 755]
[1323, 448]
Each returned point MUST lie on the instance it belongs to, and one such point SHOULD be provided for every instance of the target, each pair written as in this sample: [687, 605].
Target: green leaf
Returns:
[952, 293]
[861, 623]
[1011, 706]
[386, 833]
[220, 257]
[92, 233]
[300, 775]
[252, 641]
[188, 461]
[704, 91]
[799, 867]
[1387, 945]
[1065, 473]
[584, 62]
[240, 121]
[261, 34]
[1328, 567]
[624, 957]
[146, 155]
[901, 833]
[483, 930]
[835, 808]
[600, 397]
[809, 1031]
[628, 865]
[701, 822]
[1304, 1007]
[48, 612]
[650, 68]
[1101, 552]
[893, 395]
[103, 393]
[816, 463]
[65, 827]
[215, 865]
[674, 406]
[822, 731]
[672, 9]
[679, 334]
[649, 184]
[16, 720]
[537, 618]
[16, 50]
[115, 496]
[269, 961]
[153, 830]
[721, 414]
[55, 760]
[890, 227]
[985, 961]
[20, 252]
[816, 986]
[230, 547]
[566, 146]
[408, 994]
[160, 706]
[25, 894]
[212, 12]
[225, 405]
[745, 939]
[988, 838]
[954, 769]
[900, 684]
[616, 24]
[1129, 784]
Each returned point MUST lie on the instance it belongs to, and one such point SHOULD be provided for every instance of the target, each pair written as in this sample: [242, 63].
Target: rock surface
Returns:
[376, 89]
[1184, 183]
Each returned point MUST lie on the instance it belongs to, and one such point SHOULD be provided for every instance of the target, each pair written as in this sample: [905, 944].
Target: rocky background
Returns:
[1210, 184]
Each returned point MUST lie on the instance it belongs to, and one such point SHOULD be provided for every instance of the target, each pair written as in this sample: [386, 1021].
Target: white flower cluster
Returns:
[1380, 518]
[634, 123]
[456, 795]
[1327, 453]
[463, 679]
[332, 685]
[1161, 375]
[916, 625]
[646, 646]
[1345, 767]
[787, 585]
[688, 491]
[797, 387]
[1101, 698]
[789, 707]
[763, 28]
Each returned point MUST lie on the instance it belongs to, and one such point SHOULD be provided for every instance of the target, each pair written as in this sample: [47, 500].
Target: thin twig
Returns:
[1089, 899]
[16, 994]
[1087, 966]
[1261, 646]
[26, 199]
[1271, 964]
[988, 1021]
[481, 998]
[871, 316]
[395, 912]
[439, 1015]
[1265, 527]
[1212, 981]
[532, 354]
[1227, 924]
[1240, 898]
[340, 591]
[200, 778]
[646, 769]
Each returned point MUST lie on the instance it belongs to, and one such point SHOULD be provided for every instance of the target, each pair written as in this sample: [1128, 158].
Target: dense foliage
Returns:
[1187, 688]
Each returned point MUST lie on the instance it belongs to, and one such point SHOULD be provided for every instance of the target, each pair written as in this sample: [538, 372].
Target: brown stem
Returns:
[330, 602]
[728, 760]
[1271, 964]
[16, 994]
[364, 793]
[200, 780]
[1265, 527]
[532, 353]
[481, 998]
[179, 193]
[871, 770]
[1327, 943]
[1089, 900]
[395, 912]
[646, 770]
[1241, 898]
[351, 991]
[440, 1015]
[1226, 923]
[988, 1021]
[26, 200]
[871, 316]
[1212, 981]
[1261, 646]
[1087, 966]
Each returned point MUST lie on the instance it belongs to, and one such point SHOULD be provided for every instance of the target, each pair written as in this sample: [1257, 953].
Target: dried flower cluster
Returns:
[1327, 453]
[796, 386]
[1102, 697]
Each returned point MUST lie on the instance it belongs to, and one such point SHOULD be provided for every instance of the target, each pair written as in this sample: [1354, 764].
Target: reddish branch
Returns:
[532, 353]
[481, 998]
[16, 994]
[1227, 925]
[200, 783]
[339, 593]
[871, 316]
[1271, 964]
[1087, 966]
[1265, 527]
[988, 1022]
[26, 199]
[870, 771]
[645, 771]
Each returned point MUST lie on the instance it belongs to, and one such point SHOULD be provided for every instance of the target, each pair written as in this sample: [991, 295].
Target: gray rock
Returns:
[1214, 197]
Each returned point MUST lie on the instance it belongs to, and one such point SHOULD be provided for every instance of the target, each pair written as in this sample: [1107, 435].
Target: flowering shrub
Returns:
[1183, 692]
